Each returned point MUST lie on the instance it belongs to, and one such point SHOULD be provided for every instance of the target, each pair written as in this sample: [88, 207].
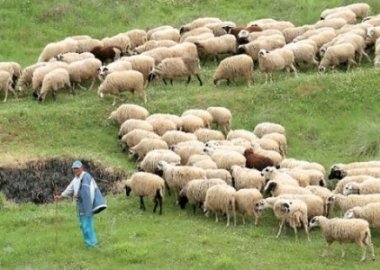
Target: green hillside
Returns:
[329, 118]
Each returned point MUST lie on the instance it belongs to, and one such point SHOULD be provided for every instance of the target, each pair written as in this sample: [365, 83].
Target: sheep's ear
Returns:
[105, 69]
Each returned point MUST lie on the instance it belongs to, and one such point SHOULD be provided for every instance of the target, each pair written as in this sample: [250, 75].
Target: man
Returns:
[81, 189]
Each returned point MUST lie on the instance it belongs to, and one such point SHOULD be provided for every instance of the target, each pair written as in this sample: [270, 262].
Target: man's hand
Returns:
[58, 197]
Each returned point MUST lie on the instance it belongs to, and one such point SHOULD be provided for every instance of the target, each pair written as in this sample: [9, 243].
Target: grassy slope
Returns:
[328, 119]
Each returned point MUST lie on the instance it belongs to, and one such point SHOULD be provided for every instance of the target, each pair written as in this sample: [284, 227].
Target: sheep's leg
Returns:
[188, 80]
[366, 55]
[194, 208]
[199, 79]
[305, 222]
[294, 70]
[216, 216]
[280, 228]
[228, 219]
[164, 81]
[228, 82]
[6, 95]
[114, 101]
[92, 84]
[82, 87]
[13, 91]
[142, 205]
[54, 95]
[171, 82]
[351, 61]
[325, 251]
[295, 231]
[343, 251]
[145, 98]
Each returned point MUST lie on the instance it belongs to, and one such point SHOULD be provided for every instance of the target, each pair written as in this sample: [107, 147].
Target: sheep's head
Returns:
[263, 53]
[183, 29]
[128, 188]
[267, 172]
[285, 206]
[240, 49]
[321, 69]
[227, 29]
[59, 57]
[322, 51]
[315, 222]
[336, 173]
[351, 188]
[350, 213]
[270, 187]
[260, 205]
[182, 199]
[160, 167]
[331, 199]
[132, 154]
[152, 76]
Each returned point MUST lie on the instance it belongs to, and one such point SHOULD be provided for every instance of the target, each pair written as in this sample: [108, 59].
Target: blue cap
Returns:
[76, 164]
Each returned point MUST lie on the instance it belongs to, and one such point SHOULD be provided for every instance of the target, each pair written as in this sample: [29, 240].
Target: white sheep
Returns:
[146, 145]
[151, 159]
[119, 81]
[276, 60]
[172, 137]
[349, 179]
[368, 186]
[166, 34]
[128, 111]
[25, 79]
[213, 47]
[303, 53]
[222, 117]
[294, 163]
[221, 198]
[338, 170]
[270, 173]
[234, 67]
[197, 38]
[188, 148]
[6, 84]
[280, 139]
[369, 212]
[195, 32]
[194, 192]
[152, 44]
[137, 37]
[206, 164]
[40, 72]
[155, 29]
[141, 63]
[325, 194]
[53, 81]
[347, 202]
[245, 200]
[345, 231]
[120, 40]
[314, 203]
[199, 22]
[84, 70]
[134, 137]
[55, 48]
[112, 67]
[335, 23]
[203, 114]
[275, 189]
[346, 14]
[132, 124]
[147, 184]
[221, 174]
[264, 128]
[336, 55]
[225, 159]
[88, 44]
[73, 57]
[159, 54]
[161, 124]
[205, 134]
[190, 123]
[241, 133]
[246, 178]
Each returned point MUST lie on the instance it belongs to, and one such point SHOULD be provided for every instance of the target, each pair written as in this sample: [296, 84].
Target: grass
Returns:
[330, 118]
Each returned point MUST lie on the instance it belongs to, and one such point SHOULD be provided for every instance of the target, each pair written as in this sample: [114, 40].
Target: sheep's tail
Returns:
[367, 238]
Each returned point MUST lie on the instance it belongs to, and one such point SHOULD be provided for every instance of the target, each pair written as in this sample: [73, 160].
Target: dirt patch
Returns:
[37, 180]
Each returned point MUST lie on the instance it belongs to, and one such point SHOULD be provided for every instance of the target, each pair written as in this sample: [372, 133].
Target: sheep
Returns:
[132, 124]
[335, 23]
[277, 25]
[221, 174]
[272, 155]
[184, 50]
[120, 40]
[137, 37]
[72, 57]
[196, 158]
[369, 212]
[241, 133]
[345, 231]
[166, 34]
[159, 54]
[158, 28]
[314, 203]
[303, 53]
[203, 114]
[106, 54]
[198, 23]
[195, 32]
[292, 32]
[246, 200]
[160, 124]
[246, 178]
[360, 9]
[276, 189]
[272, 174]
[135, 136]
[6, 84]
[371, 171]
[234, 67]
[368, 186]
[324, 193]
[348, 15]
[151, 159]
[261, 21]
[188, 148]
[119, 81]
[266, 42]
[225, 159]
[257, 161]
[218, 28]
[246, 37]
[302, 164]
[306, 177]
[88, 44]
[146, 145]
[55, 48]
[347, 202]
[25, 79]
[193, 39]
[280, 139]
[176, 177]
[336, 55]
[40, 72]
[118, 65]
[276, 60]
[14, 69]
[264, 128]
[204, 135]
[235, 148]
[338, 171]
[221, 198]
[194, 192]
[141, 63]
[173, 137]
[147, 184]
[152, 44]
[56, 79]
[349, 179]
[86, 69]
[236, 30]
[191, 123]
[222, 117]
[128, 111]
[212, 47]
[206, 164]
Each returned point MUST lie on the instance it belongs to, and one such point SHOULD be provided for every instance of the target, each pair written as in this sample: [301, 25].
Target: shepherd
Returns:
[90, 201]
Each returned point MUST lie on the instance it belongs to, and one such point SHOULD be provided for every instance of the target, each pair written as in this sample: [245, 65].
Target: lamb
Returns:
[173, 137]
[83, 70]
[221, 198]
[176, 67]
[349, 179]
[6, 84]
[191, 123]
[246, 200]
[368, 186]
[194, 192]
[347, 202]
[257, 161]
[226, 159]
[369, 212]
[151, 159]
[176, 177]
[106, 54]
[141, 63]
[222, 117]
[53, 81]
[221, 174]
[336, 55]
[203, 114]
[147, 184]
[276, 60]
[212, 47]
[55, 48]
[73, 57]
[205, 134]
[128, 111]
[198, 23]
[345, 231]
[166, 34]
[146, 145]
[119, 81]
[120, 40]
[112, 67]
[266, 42]
[246, 178]
[135, 136]
[132, 124]
[276, 189]
[234, 67]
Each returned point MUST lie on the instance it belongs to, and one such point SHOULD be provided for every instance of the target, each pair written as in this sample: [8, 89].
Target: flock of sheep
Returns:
[168, 53]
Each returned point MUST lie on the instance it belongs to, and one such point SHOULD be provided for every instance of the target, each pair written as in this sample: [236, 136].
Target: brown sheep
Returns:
[256, 161]
[106, 54]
